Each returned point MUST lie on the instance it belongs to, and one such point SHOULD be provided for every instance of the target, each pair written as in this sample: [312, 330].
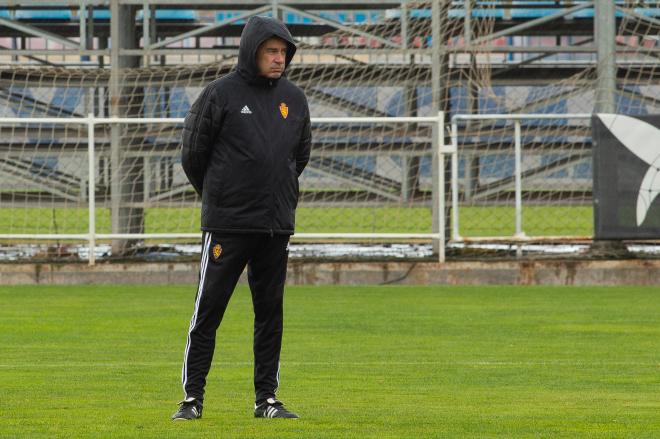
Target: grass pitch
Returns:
[357, 362]
[556, 220]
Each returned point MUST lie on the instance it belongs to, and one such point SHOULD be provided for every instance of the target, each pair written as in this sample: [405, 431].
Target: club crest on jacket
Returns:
[284, 110]
[216, 251]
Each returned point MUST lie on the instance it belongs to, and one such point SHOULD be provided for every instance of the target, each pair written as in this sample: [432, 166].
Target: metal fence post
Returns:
[518, 179]
[91, 187]
[441, 188]
[455, 189]
[454, 182]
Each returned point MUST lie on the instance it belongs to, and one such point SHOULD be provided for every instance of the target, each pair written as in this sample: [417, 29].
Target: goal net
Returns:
[369, 177]
[551, 104]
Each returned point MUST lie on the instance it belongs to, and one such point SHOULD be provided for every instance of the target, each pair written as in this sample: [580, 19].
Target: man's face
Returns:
[271, 58]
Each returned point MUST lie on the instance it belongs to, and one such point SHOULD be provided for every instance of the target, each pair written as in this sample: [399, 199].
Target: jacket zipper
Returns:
[272, 196]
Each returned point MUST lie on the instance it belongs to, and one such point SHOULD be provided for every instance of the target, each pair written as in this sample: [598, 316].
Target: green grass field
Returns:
[358, 362]
[474, 221]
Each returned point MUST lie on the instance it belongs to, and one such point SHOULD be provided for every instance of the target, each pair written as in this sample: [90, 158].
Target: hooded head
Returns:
[256, 31]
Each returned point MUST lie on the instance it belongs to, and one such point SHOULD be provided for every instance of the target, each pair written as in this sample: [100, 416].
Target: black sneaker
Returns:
[272, 408]
[189, 409]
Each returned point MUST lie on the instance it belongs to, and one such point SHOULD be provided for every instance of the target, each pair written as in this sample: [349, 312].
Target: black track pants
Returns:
[224, 256]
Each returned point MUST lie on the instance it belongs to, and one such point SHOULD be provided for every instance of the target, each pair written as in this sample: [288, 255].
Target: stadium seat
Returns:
[171, 15]
[160, 15]
[226, 15]
[44, 14]
[101, 14]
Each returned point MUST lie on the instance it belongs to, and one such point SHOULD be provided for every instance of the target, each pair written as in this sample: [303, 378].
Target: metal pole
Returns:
[431, 120]
[472, 161]
[454, 182]
[146, 165]
[274, 8]
[606, 86]
[126, 174]
[605, 35]
[436, 67]
[146, 32]
[520, 116]
[91, 187]
[82, 20]
[117, 29]
[467, 23]
[454, 193]
[410, 163]
[441, 188]
[404, 24]
[518, 179]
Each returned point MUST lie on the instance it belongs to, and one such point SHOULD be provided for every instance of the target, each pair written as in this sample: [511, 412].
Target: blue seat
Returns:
[359, 17]
[649, 12]
[291, 18]
[101, 14]
[341, 17]
[160, 15]
[226, 15]
[44, 14]
[422, 13]
[171, 15]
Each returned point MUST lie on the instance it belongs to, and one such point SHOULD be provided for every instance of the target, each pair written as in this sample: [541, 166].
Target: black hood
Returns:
[256, 31]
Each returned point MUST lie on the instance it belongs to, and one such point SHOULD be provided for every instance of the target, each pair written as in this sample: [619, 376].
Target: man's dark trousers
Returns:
[224, 257]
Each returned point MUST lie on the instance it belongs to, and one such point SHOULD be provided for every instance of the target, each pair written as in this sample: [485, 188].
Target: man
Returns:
[246, 141]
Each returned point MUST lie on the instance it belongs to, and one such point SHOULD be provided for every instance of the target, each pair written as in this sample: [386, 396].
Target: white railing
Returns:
[92, 236]
[519, 234]
[442, 151]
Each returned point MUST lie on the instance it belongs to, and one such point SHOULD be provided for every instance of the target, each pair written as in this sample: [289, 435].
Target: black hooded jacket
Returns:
[246, 140]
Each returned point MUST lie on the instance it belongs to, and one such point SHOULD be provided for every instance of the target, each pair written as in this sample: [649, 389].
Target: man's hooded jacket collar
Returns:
[256, 31]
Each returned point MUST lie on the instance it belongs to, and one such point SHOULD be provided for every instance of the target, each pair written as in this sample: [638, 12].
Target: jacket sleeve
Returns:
[304, 148]
[200, 128]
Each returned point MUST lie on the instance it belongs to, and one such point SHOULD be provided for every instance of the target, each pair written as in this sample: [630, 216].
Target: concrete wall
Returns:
[625, 272]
